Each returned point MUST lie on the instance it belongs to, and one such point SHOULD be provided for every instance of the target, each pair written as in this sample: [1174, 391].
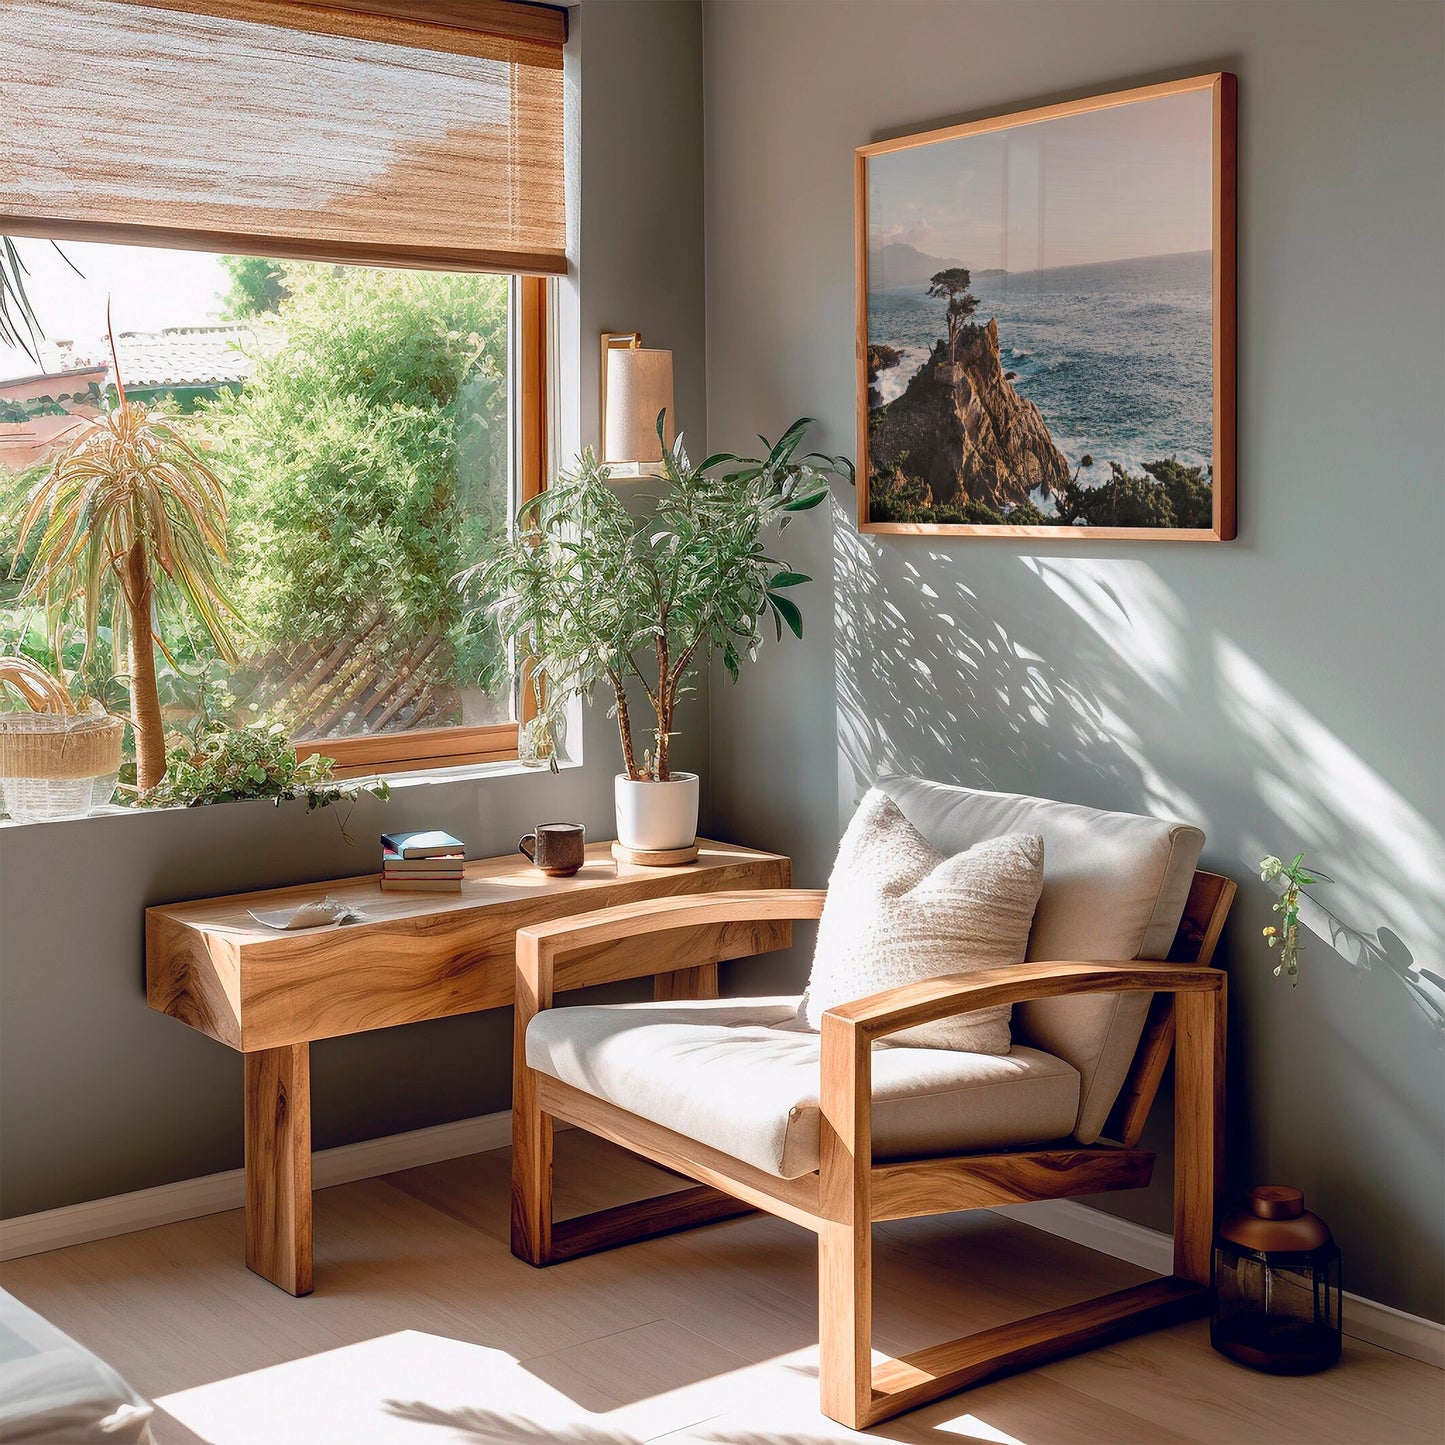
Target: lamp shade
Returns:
[639, 385]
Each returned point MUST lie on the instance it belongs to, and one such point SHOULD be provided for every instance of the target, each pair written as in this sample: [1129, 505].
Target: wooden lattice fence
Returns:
[365, 682]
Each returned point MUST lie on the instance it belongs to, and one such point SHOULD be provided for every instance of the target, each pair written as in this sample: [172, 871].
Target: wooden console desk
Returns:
[268, 994]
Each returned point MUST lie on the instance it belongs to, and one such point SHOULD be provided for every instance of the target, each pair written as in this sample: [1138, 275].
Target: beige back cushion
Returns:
[1115, 886]
[899, 911]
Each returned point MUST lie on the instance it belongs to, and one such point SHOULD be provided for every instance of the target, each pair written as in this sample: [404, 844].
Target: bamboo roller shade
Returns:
[331, 132]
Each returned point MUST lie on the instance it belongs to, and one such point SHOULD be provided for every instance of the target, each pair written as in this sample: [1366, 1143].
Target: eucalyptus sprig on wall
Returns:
[592, 593]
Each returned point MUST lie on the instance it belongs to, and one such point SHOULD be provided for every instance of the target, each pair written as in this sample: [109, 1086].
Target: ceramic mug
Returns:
[556, 848]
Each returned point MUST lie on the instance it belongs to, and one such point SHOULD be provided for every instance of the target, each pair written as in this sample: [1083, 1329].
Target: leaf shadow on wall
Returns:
[1095, 684]
[1087, 679]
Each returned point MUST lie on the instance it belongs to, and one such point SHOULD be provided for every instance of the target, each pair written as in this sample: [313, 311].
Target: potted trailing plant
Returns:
[221, 764]
[132, 521]
[593, 593]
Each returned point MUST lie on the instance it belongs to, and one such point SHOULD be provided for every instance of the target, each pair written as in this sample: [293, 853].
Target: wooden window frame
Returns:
[426, 749]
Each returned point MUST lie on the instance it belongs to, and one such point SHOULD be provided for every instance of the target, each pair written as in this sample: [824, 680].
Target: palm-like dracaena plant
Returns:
[18, 326]
[131, 517]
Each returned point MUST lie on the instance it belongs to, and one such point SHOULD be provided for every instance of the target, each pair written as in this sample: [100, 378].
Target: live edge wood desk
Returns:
[268, 994]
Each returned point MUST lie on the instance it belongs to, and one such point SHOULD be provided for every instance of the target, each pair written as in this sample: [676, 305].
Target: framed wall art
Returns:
[1046, 324]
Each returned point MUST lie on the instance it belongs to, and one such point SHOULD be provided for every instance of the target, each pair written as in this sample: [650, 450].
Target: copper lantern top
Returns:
[1275, 1220]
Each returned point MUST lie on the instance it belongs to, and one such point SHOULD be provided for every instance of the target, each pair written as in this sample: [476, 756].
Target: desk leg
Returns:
[278, 1166]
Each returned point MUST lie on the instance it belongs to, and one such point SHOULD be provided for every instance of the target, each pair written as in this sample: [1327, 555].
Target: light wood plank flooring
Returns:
[424, 1328]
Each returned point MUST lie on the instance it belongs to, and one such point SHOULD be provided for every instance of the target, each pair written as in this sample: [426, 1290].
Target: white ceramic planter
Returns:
[657, 816]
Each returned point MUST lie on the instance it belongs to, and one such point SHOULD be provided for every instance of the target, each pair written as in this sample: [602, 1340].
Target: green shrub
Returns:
[1170, 495]
[368, 454]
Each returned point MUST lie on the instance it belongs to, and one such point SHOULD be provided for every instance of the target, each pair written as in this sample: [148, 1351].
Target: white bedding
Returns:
[53, 1390]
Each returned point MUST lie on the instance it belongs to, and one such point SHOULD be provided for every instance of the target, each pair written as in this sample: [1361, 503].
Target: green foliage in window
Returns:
[15, 488]
[258, 285]
[368, 457]
[64, 402]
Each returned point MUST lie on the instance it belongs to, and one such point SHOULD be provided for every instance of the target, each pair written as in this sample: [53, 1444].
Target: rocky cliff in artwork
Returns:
[963, 432]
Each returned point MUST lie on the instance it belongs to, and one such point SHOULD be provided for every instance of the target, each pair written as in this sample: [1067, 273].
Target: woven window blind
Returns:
[341, 133]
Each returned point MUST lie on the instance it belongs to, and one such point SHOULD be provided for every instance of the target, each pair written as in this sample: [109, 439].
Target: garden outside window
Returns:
[341, 295]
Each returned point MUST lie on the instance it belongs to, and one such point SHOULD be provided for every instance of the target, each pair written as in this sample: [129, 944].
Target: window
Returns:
[372, 429]
[341, 290]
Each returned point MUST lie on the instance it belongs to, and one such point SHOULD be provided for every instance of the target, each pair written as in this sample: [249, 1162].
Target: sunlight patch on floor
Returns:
[413, 1387]
[404, 1388]
[972, 1428]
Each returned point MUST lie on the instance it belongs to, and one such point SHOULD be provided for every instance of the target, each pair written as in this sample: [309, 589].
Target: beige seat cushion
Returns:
[899, 912]
[1115, 886]
[741, 1076]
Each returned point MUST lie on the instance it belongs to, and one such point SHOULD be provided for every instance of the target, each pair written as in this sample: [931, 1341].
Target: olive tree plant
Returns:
[592, 593]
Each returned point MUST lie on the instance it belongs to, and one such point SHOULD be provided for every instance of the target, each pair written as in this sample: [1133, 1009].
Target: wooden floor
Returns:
[424, 1328]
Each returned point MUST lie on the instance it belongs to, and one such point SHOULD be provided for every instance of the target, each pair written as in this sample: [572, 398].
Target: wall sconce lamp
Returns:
[636, 384]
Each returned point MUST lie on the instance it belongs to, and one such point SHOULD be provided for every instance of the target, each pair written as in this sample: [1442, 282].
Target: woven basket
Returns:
[59, 746]
[54, 762]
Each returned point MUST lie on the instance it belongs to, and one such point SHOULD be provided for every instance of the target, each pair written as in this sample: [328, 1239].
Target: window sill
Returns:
[424, 777]
[463, 772]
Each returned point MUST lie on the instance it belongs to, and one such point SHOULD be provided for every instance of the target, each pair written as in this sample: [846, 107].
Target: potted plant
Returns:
[132, 521]
[221, 764]
[591, 592]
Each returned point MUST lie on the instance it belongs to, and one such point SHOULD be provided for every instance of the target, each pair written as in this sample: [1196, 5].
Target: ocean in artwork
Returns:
[1118, 355]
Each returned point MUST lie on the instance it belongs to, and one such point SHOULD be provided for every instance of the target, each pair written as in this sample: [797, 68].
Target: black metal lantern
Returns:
[1276, 1285]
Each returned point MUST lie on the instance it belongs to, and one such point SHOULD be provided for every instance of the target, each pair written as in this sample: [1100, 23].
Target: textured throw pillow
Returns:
[898, 912]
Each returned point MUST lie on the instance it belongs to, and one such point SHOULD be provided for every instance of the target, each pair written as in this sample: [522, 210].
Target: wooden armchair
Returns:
[849, 1188]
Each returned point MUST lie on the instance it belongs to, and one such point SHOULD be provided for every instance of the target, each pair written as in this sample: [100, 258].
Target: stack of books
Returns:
[421, 862]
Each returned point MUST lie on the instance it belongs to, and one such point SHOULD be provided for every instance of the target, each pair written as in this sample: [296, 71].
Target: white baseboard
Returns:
[1364, 1319]
[212, 1193]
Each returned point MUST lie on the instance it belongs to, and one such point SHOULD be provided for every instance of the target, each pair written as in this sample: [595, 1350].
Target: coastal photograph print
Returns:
[1046, 328]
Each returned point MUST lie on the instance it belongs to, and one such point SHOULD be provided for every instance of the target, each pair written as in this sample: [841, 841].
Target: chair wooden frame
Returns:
[850, 1193]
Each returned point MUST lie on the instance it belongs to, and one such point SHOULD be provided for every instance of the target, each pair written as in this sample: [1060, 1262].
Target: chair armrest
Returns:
[849, 1030]
[931, 999]
[544, 949]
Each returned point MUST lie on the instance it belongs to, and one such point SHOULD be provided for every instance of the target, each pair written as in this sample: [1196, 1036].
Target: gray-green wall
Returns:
[98, 1095]
[1284, 690]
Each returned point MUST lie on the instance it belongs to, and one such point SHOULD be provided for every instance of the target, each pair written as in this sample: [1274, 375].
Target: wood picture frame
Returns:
[997, 453]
